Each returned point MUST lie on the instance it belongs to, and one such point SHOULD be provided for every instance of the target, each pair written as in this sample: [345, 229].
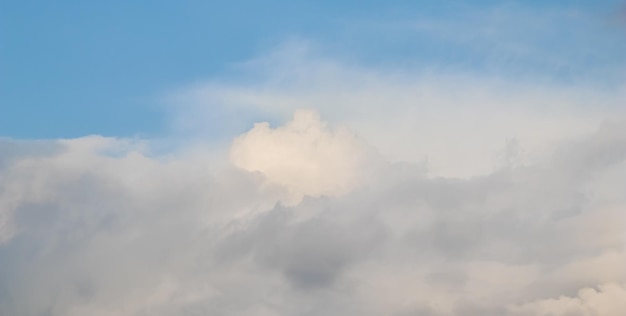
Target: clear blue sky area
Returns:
[72, 68]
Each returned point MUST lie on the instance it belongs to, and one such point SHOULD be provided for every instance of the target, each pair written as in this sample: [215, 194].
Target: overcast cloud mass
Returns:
[332, 189]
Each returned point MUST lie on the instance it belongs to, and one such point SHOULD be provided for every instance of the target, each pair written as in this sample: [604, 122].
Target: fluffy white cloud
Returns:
[307, 157]
[98, 226]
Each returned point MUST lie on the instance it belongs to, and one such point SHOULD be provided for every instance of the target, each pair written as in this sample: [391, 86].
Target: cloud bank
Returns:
[98, 226]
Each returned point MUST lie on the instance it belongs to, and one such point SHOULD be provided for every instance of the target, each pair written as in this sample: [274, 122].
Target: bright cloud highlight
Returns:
[307, 157]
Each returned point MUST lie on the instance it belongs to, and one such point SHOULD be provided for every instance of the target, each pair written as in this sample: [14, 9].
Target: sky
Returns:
[71, 68]
[437, 158]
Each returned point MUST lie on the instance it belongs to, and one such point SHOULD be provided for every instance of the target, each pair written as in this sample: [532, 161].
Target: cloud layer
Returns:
[308, 220]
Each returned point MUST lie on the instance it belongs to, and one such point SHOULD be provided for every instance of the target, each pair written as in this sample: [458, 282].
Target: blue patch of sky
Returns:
[72, 68]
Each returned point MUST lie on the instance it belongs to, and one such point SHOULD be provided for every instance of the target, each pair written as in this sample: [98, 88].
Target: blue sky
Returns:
[74, 68]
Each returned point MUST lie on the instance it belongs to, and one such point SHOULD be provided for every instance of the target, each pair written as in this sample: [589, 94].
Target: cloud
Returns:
[306, 157]
[415, 114]
[609, 300]
[327, 188]
[100, 226]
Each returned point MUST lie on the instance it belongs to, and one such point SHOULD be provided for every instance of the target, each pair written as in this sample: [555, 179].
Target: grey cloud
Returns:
[313, 252]
[132, 235]
[13, 150]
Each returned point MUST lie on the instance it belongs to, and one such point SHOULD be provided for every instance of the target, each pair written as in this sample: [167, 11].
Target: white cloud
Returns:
[306, 157]
[608, 300]
[100, 227]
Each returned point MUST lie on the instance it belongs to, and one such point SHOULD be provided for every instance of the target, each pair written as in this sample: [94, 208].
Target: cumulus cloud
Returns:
[306, 157]
[100, 226]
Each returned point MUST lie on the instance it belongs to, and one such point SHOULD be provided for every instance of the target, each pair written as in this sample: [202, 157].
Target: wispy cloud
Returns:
[411, 114]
